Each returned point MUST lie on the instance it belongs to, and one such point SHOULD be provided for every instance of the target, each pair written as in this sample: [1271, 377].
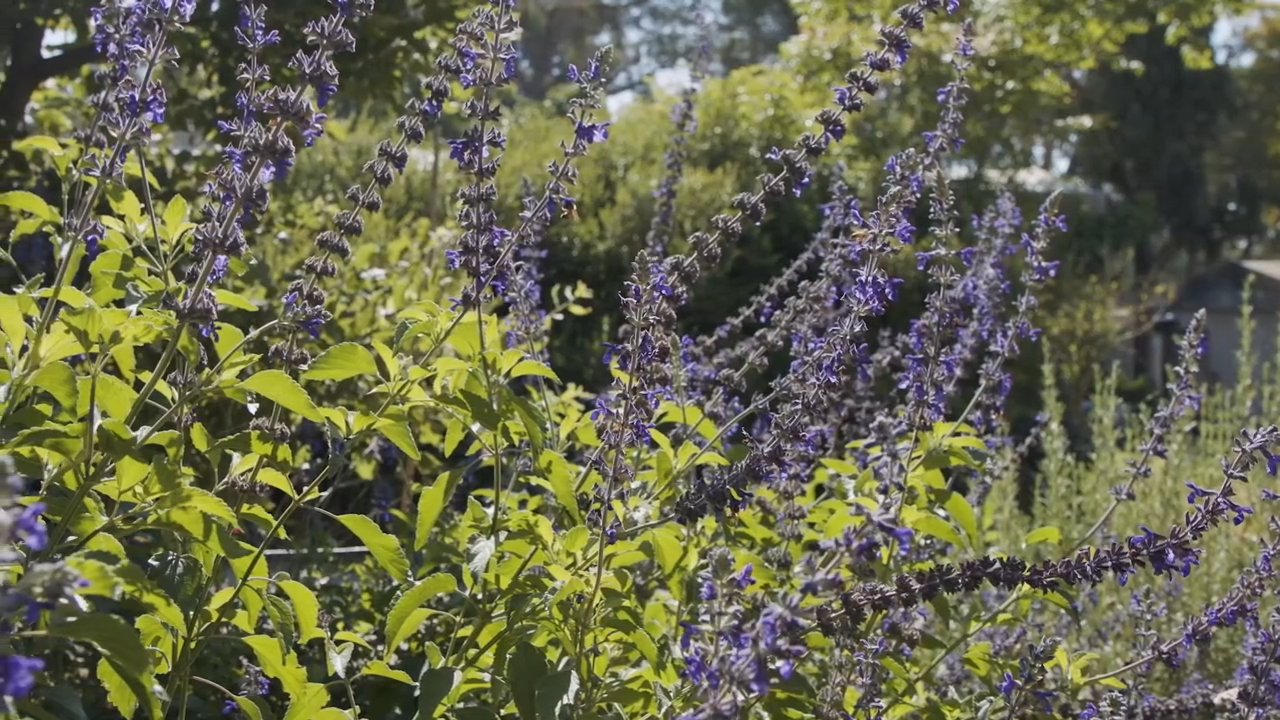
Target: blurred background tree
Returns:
[45, 40]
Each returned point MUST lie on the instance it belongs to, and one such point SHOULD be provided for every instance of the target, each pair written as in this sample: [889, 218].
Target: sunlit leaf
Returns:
[283, 390]
[385, 548]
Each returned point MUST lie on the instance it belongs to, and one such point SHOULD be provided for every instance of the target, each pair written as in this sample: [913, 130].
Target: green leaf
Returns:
[281, 389]
[434, 685]
[1046, 534]
[385, 548]
[348, 636]
[667, 547]
[412, 599]
[378, 668]
[937, 527]
[198, 499]
[962, 512]
[39, 142]
[235, 300]
[561, 477]
[175, 213]
[113, 395]
[119, 693]
[31, 204]
[248, 707]
[278, 664]
[331, 714]
[533, 367]
[313, 699]
[281, 615]
[398, 432]
[59, 380]
[342, 361]
[12, 322]
[430, 504]
[125, 667]
[276, 479]
[306, 608]
[454, 433]
[526, 667]
[125, 203]
[555, 691]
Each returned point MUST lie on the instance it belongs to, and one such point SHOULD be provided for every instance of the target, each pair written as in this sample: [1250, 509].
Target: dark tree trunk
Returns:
[21, 78]
[26, 70]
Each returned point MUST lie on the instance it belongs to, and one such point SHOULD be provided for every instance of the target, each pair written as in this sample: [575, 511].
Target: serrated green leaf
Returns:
[667, 547]
[59, 380]
[455, 431]
[276, 479]
[113, 395]
[283, 390]
[198, 499]
[411, 599]
[124, 202]
[398, 432]
[29, 203]
[119, 694]
[175, 214]
[385, 548]
[348, 636]
[313, 699]
[276, 663]
[281, 615]
[306, 608]
[340, 362]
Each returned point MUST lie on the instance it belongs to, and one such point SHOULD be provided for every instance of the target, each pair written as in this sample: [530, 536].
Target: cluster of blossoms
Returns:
[260, 150]
[731, 653]
[1171, 553]
[825, 322]
[134, 41]
[540, 210]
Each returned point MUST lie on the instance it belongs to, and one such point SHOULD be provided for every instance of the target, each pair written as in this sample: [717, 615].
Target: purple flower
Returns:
[30, 529]
[18, 675]
[591, 133]
[1008, 684]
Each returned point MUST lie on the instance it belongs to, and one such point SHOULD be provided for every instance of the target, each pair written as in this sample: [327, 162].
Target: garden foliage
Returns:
[228, 494]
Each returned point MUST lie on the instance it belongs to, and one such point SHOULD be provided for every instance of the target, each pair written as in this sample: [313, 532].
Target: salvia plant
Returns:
[795, 515]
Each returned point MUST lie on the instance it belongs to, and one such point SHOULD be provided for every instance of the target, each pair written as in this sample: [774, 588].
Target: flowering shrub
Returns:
[787, 517]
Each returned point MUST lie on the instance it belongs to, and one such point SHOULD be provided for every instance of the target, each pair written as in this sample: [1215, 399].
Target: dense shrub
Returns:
[317, 464]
